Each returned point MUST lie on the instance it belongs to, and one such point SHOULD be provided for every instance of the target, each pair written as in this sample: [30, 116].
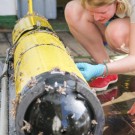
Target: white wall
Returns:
[7, 7]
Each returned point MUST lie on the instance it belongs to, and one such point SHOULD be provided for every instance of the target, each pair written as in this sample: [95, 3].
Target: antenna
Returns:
[30, 7]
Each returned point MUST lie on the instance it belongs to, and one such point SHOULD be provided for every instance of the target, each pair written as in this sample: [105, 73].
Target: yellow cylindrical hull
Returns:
[38, 52]
[49, 85]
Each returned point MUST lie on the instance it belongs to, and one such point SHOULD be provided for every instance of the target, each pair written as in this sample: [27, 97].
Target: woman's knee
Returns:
[68, 10]
[72, 12]
[117, 33]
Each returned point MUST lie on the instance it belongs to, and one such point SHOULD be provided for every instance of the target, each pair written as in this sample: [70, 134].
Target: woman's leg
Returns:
[86, 31]
[117, 35]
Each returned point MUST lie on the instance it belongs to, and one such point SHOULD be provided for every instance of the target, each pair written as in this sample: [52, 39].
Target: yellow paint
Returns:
[28, 23]
[37, 52]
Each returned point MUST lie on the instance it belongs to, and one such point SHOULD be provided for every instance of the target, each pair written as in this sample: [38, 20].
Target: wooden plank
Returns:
[74, 46]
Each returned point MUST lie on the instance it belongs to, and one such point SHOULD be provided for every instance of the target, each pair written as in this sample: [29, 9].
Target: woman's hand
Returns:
[132, 110]
[89, 71]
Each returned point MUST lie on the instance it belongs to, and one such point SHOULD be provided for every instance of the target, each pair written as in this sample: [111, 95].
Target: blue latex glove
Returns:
[89, 71]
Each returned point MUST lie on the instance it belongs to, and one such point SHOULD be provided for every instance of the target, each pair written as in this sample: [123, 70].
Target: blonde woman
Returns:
[88, 22]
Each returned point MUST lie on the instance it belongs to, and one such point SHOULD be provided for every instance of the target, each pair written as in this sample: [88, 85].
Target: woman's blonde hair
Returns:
[123, 6]
[96, 3]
